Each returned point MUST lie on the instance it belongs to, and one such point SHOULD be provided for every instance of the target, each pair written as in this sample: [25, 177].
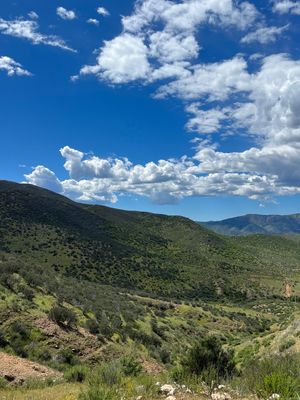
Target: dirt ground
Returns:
[15, 369]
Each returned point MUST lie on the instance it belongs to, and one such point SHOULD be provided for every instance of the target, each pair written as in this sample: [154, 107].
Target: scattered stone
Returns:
[139, 398]
[171, 398]
[220, 396]
[274, 396]
[168, 390]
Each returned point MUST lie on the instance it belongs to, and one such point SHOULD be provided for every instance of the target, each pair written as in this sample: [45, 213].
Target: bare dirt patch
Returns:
[16, 370]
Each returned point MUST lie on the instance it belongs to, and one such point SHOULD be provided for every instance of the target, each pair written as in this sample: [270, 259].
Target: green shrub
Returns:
[280, 374]
[278, 382]
[93, 326]
[286, 345]
[95, 392]
[3, 382]
[208, 359]
[109, 374]
[77, 373]
[66, 356]
[62, 316]
[130, 366]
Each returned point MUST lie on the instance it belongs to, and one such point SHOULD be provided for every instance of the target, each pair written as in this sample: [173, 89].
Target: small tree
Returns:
[62, 316]
[209, 355]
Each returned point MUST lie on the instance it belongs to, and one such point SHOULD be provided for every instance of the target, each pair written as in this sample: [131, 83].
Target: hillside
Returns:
[80, 284]
[256, 224]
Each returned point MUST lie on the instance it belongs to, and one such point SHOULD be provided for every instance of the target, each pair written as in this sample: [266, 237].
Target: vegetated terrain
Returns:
[81, 285]
[256, 224]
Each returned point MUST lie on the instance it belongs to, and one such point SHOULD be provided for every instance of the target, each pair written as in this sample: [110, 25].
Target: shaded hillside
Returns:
[253, 224]
[155, 254]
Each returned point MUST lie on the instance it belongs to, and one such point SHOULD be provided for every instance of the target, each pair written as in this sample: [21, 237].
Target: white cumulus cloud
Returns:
[65, 14]
[103, 11]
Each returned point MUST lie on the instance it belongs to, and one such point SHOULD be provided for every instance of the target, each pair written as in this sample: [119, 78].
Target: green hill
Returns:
[254, 224]
[159, 255]
[137, 280]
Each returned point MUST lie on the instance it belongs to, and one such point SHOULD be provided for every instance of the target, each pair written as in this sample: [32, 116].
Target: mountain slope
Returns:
[152, 282]
[159, 255]
[256, 224]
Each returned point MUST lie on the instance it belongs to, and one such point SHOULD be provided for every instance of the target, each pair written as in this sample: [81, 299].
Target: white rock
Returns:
[220, 396]
[171, 398]
[221, 387]
[139, 398]
[168, 390]
[274, 396]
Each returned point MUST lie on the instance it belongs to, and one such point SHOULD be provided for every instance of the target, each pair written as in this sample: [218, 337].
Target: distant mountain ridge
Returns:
[256, 224]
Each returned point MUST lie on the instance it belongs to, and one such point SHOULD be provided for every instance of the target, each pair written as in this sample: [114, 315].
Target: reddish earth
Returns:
[16, 369]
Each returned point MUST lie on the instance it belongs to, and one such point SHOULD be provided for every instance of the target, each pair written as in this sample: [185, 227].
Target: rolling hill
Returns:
[256, 224]
[132, 280]
[166, 256]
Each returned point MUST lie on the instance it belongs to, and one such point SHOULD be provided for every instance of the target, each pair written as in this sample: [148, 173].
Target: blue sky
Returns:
[182, 107]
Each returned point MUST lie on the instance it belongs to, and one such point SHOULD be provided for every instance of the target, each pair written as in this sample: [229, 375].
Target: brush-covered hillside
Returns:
[256, 224]
[171, 257]
[82, 284]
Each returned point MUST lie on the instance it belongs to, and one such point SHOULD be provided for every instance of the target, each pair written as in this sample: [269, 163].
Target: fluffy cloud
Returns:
[12, 67]
[210, 81]
[28, 30]
[102, 11]
[264, 35]
[123, 59]
[93, 21]
[286, 6]
[42, 176]
[65, 14]
[258, 98]
[163, 33]
[206, 121]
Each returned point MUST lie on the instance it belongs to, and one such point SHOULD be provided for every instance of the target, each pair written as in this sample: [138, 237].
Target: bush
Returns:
[109, 374]
[62, 316]
[66, 356]
[130, 366]
[3, 341]
[95, 392]
[78, 373]
[208, 359]
[3, 382]
[280, 374]
[93, 326]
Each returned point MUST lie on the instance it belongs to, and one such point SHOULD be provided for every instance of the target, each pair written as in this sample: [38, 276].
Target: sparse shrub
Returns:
[286, 345]
[63, 316]
[77, 373]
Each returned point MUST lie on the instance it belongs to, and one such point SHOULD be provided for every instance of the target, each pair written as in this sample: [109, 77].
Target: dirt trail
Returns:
[16, 369]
